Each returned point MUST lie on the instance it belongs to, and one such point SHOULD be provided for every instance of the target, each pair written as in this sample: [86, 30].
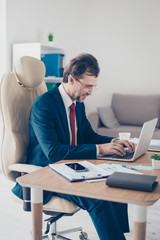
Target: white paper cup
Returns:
[124, 135]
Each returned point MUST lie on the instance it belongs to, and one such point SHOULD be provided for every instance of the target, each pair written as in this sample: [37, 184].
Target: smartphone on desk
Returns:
[77, 167]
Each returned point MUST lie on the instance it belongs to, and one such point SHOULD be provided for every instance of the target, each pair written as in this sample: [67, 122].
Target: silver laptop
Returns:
[142, 145]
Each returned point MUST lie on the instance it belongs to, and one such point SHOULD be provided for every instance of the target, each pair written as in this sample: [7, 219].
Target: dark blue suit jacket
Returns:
[49, 134]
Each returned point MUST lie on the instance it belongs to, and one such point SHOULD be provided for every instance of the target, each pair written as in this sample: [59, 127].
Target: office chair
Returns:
[18, 90]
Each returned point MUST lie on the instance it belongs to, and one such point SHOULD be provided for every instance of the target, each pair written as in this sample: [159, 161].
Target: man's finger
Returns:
[120, 149]
[129, 145]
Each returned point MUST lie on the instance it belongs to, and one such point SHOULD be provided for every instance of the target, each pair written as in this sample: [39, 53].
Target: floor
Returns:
[15, 224]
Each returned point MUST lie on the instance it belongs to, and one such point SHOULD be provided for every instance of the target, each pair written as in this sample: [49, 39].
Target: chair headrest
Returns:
[30, 71]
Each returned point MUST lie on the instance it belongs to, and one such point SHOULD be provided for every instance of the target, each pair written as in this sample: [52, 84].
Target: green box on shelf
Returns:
[50, 86]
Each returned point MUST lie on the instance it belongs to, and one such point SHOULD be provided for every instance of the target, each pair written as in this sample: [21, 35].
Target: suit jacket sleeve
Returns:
[86, 134]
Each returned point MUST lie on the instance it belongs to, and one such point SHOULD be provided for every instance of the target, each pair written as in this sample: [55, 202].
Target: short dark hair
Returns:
[83, 63]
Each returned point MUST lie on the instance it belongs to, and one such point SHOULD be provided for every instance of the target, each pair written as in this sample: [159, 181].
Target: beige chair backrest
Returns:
[18, 90]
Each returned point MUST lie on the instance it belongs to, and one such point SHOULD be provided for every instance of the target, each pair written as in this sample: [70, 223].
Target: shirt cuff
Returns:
[97, 148]
[114, 139]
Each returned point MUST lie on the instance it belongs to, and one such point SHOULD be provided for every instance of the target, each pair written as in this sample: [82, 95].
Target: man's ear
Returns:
[71, 80]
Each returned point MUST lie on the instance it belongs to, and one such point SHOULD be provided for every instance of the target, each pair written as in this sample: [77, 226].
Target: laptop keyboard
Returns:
[128, 155]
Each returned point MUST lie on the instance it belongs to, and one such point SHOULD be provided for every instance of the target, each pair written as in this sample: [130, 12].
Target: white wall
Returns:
[2, 53]
[32, 20]
[126, 40]
[123, 34]
[2, 37]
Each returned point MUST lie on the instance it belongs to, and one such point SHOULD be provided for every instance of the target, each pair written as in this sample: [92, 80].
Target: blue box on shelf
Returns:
[53, 63]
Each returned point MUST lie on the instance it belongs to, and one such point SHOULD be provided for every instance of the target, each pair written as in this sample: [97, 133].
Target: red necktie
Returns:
[72, 122]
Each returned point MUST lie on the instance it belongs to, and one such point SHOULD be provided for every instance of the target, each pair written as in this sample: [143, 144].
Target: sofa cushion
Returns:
[134, 130]
[107, 117]
[135, 109]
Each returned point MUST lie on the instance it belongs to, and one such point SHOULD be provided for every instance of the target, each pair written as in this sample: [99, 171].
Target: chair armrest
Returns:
[94, 120]
[23, 168]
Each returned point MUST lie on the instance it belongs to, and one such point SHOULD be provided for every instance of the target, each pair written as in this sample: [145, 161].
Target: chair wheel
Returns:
[83, 236]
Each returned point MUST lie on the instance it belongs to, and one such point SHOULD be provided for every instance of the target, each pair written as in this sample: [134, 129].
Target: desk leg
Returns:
[37, 208]
[139, 227]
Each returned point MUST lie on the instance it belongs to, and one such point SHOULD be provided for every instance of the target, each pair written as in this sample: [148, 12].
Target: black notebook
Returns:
[132, 181]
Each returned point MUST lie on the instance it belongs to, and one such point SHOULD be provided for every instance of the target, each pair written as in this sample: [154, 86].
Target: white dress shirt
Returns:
[67, 103]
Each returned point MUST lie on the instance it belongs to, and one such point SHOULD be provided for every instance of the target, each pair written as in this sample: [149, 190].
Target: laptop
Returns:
[142, 145]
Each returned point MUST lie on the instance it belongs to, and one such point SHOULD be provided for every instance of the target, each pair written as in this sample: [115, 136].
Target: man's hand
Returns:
[116, 147]
[130, 145]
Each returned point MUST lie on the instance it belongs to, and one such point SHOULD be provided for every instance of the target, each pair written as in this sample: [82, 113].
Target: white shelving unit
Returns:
[36, 50]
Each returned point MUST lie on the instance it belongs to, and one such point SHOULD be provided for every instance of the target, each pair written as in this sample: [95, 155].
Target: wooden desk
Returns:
[47, 179]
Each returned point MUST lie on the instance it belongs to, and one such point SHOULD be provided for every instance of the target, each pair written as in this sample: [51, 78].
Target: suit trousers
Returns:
[109, 218]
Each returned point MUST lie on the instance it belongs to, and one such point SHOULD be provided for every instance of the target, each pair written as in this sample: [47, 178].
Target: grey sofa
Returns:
[127, 113]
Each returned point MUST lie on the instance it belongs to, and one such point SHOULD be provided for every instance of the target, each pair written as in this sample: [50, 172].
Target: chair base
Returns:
[54, 234]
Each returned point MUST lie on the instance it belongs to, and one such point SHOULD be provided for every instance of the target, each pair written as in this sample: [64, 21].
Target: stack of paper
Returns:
[99, 171]
[93, 171]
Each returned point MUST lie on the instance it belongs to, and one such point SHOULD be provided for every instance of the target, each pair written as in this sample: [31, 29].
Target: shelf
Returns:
[50, 48]
[53, 79]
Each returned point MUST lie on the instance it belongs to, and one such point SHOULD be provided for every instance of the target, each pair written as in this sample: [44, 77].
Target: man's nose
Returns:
[90, 91]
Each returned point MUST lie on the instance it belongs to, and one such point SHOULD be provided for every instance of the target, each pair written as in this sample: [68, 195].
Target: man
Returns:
[56, 134]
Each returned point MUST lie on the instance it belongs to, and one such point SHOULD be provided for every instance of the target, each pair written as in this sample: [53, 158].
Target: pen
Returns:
[126, 167]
